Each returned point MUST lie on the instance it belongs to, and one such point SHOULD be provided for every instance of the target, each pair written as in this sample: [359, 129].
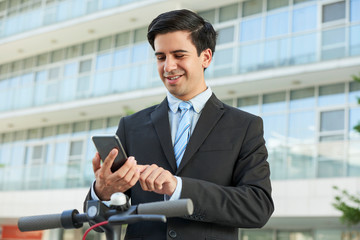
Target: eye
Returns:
[179, 56]
[160, 58]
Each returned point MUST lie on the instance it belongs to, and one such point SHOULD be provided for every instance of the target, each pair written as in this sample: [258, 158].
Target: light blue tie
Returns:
[183, 132]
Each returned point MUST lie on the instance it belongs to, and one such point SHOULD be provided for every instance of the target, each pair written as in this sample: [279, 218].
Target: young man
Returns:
[222, 166]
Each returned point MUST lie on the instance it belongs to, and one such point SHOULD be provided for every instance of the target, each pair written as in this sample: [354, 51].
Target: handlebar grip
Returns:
[40, 222]
[174, 208]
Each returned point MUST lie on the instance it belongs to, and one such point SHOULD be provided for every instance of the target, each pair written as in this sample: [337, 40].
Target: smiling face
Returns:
[179, 66]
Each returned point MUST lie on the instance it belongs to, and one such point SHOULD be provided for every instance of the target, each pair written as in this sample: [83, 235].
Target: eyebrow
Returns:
[172, 52]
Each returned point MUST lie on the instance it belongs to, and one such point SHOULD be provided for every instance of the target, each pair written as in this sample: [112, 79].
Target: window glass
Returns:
[208, 15]
[301, 1]
[355, 40]
[354, 10]
[57, 55]
[307, 52]
[70, 69]
[272, 4]
[76, 148]
[295, 235]
[105, 43]
[140, 52]
[103, 61]
[304, 18]
[302, 98]
[333, 36]
[101, 83]
[276, 53]
[277, 24]
[226, 35]
[333, 11]
[331, 156]
[73, 51]
[121, 57]
[332, 121]
[223, 57]
[79, 127]
[331, 94]
[302, 127]
[88, 48]
[228, 13]
[28, 63]
[249, 104]
[96, 124]
[274, 102]
[251, 29]
[85, 66]
[140, 35]
[257, 234]
[122, 39]
[251, 7]
[300, 161]
[328, 234]
[354, 160]
[354, 120]
[354, 92]
[113, 121]
[42, 59]
[250, 57]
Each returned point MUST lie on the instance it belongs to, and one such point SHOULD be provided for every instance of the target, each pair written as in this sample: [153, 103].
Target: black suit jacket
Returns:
[224, 171]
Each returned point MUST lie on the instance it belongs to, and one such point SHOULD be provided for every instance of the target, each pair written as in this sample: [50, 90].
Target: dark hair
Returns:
[202, 32]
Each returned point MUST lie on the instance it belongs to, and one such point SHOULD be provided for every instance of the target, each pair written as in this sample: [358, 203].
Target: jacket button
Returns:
[172, 234]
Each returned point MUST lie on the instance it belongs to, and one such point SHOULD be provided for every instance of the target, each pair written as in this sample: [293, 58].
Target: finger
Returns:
[130, 162]
[107, 163]
[150, 180]
[142, 168]
[96, 162]
[144, 175]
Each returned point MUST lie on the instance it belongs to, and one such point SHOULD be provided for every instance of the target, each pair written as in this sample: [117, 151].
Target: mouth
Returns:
[173, 79]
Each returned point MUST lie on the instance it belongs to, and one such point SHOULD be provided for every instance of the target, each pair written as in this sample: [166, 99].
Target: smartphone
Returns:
[105, 143]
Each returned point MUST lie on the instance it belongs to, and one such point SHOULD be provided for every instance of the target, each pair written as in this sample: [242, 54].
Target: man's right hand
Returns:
[108, 182]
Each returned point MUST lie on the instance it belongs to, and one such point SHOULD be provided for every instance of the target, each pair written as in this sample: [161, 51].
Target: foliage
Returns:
[357, 79]
[350, 214]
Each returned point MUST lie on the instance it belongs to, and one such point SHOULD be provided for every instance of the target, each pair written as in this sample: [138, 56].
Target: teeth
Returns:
[173, 78]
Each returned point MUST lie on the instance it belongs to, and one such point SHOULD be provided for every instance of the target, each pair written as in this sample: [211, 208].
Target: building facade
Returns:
[70, 69]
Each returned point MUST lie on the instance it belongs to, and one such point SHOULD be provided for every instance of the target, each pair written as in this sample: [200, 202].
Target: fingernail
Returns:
[113, 152]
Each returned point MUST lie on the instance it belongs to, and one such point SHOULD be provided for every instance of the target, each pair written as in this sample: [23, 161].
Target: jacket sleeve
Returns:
[247, 202]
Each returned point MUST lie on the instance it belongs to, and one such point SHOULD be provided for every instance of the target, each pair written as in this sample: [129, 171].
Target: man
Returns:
[222, 167]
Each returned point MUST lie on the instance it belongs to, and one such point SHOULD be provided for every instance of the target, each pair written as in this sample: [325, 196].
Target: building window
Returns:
[273, 4]
[333, 12]
[252, 7]
[228, 13]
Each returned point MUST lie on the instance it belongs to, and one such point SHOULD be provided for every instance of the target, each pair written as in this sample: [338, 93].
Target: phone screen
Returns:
[104, 145]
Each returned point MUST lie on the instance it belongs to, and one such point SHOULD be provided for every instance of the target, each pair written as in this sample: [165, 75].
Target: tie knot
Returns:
[184, 106]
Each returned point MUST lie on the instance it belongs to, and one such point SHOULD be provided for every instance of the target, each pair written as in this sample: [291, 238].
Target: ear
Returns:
[206, 57]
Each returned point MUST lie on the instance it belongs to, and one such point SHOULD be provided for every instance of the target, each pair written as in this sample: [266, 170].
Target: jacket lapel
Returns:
[160, 120]
[211, 113]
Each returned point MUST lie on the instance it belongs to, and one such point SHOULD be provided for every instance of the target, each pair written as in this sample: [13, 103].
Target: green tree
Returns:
[349, 205]
[357, 79]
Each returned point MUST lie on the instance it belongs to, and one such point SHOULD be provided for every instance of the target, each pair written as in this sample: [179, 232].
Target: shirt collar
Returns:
[198, 102]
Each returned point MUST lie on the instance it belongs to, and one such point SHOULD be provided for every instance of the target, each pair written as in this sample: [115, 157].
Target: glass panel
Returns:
[257, 235]
[113, 121]
[208, 15]
[251, 7]
[224, 57]
[57, 55]
[274, 102]
[250, 57]
[334, 36]
[85, 66]
[226, 35]
[354, 10]
[73, 51]
[354, 159]
[333, 11]
[331, 94]
[96, 124]
[304, 18]
[76, 148]
[332, 121]
[307, 52]
[88, 48]
[301, 1]
[277, 24]
[249, 104]
[121, 57]
[70, 69]
[139, 52]
[272, 4]
[42, 59]
[294, 235]
[105, 43]
[354, 92]
[302, 98]
[300, 161]
[140, 35]
[333, 53]
[79, 127]
[354, 120]
[302, 127]
[103, 61]
[122, 39]
[331, 156]
[251, 29]
[276, 53]
[101, 83]
[355, 40]
[328, 234]
[228, 13]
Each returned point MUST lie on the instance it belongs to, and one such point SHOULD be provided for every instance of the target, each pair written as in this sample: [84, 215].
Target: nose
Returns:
[170, 64]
